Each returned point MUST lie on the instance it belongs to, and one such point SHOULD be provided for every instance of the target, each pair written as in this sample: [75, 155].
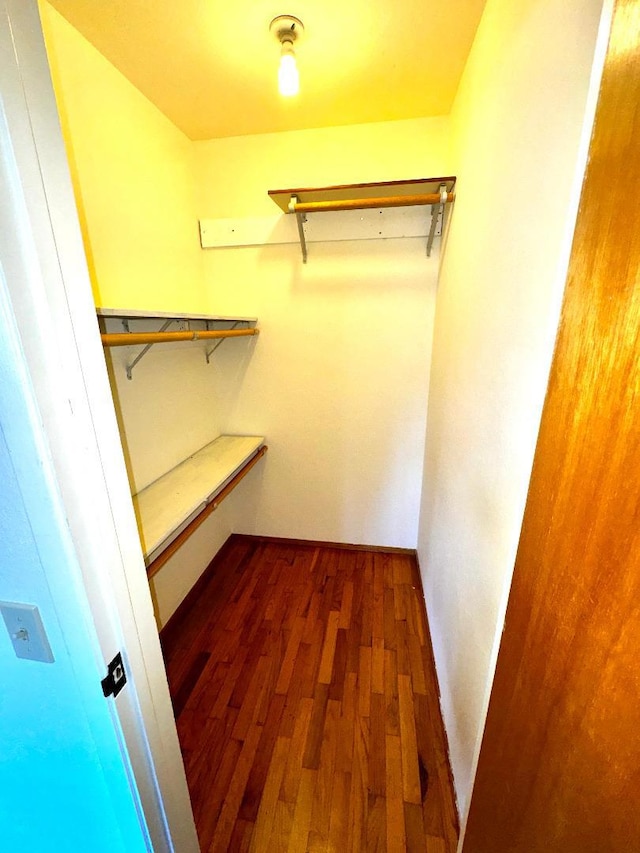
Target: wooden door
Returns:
[559, 768]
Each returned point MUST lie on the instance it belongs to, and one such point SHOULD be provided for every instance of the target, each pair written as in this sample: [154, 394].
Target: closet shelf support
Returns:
[142, 353]
[437, 208]
[124, 339]
[300, 220]
[210, 352]
[436, 192]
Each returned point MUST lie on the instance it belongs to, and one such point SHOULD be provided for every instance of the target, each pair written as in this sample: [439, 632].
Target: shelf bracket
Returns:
[220, 342]
[145, 350]
[436, 211]
[301, 218]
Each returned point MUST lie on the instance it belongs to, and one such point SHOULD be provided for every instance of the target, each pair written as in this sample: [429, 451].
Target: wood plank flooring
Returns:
[306, 704]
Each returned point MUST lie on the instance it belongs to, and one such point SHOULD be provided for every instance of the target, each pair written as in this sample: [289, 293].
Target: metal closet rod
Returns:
[365, 203]
[127, 339]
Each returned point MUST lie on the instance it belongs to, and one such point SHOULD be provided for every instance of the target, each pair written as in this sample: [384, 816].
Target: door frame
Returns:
[54, 312]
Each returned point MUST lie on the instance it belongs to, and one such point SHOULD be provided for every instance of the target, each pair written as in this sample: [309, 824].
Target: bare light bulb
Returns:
[288, 78]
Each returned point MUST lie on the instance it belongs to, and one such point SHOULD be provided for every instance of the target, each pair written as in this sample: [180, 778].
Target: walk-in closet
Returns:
[326, 324]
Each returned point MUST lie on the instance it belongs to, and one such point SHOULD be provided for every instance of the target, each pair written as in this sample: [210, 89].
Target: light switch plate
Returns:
[26, 631]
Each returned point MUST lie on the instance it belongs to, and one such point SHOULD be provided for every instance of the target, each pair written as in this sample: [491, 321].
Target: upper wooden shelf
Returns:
[421, 191]
[354, 196]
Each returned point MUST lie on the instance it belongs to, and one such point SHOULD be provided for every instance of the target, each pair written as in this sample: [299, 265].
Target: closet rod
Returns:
[155, 566]
[365, 203]
[126, 339]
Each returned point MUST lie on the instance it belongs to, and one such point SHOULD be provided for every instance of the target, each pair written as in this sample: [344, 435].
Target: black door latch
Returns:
[116, 677]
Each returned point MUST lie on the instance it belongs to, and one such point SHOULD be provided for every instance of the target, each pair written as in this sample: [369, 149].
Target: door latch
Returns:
[116, 677]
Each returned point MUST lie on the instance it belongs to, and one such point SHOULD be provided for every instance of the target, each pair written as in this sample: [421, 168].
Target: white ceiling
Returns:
[211, 66]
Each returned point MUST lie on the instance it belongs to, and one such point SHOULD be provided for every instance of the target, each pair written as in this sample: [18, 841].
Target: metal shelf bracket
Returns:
[145, 349]
[220, 342]
[437, 211]
[301, 218]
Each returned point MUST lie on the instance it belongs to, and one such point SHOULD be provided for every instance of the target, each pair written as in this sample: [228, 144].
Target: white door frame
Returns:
[52, 303]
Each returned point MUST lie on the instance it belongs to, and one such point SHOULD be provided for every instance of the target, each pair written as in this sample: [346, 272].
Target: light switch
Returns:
[26, 631]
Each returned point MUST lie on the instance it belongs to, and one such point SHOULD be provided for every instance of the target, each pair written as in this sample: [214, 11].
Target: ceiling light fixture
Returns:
[288, 30]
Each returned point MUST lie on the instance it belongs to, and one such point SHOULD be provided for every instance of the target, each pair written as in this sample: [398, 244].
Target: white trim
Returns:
[326, 227]
[59, 334]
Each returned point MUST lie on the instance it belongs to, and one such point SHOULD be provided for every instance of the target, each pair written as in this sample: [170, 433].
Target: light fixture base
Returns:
[287, 28]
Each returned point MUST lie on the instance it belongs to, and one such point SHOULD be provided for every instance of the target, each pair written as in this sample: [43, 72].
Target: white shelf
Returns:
[134, 314]
[122, 327]
[166, 506]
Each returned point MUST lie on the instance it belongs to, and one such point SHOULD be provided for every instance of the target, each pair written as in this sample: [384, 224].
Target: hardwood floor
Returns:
[306, 704]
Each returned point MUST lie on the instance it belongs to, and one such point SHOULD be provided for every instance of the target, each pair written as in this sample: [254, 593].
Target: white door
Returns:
[98, 600]
[65, 780]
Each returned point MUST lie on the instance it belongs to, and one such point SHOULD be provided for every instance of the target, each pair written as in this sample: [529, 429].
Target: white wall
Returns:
[338, 379]
[133, 181]
[135, 191]
[518, 125]
[168, 410]
[174, 405]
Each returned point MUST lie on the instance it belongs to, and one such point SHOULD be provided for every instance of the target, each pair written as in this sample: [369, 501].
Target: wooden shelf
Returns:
[168, 505]
[436, 192]
[354, 196]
